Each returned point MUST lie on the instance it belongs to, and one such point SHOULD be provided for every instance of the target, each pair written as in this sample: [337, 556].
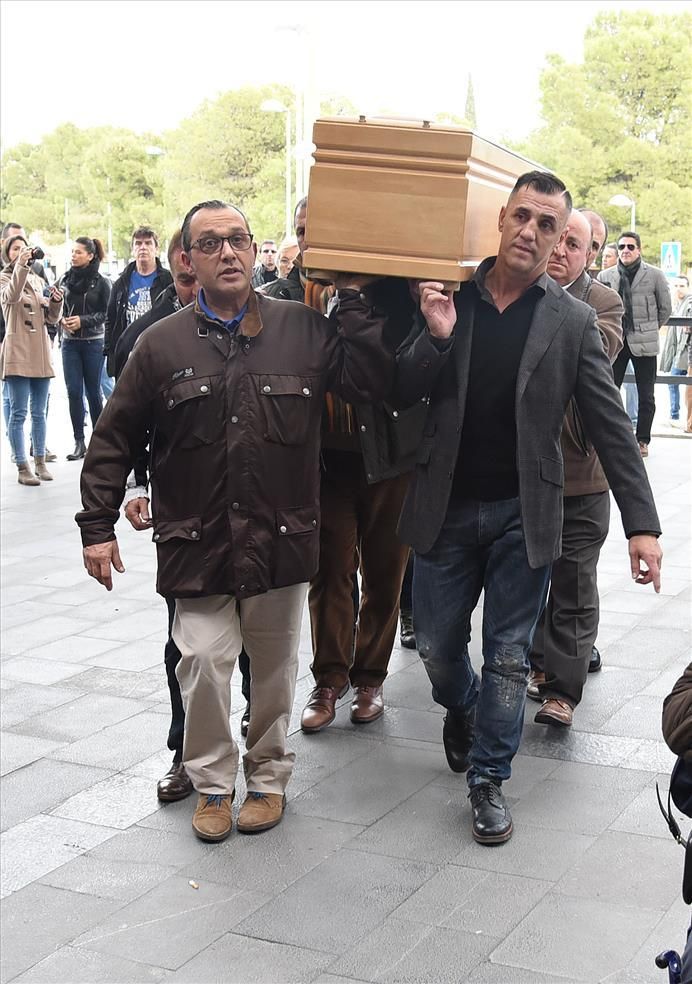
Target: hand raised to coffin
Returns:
[437, 307]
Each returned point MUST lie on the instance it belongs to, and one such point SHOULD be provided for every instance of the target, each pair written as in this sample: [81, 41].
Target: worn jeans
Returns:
[480, 547]
[81, 364]
[21, 390]
[675, 394]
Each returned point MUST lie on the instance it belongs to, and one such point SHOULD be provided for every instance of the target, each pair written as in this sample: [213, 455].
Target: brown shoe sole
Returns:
[542, 718]
[258, 828]
[495, 839]
[368, 720]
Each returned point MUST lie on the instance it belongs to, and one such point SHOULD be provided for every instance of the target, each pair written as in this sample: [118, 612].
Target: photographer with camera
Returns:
[87, 294]
[26, 363]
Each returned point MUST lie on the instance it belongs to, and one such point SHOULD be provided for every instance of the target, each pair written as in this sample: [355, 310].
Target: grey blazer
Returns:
[651, 306]
[563, 357]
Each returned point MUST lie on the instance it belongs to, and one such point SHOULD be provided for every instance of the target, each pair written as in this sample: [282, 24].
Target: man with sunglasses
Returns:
[232, 388]
[646, 299]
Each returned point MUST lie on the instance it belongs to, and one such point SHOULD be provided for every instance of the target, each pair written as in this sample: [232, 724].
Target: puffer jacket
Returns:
[26, 349]
[651, 306]
[235, 422]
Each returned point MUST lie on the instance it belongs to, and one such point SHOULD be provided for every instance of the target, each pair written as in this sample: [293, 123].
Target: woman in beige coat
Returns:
[26, 362]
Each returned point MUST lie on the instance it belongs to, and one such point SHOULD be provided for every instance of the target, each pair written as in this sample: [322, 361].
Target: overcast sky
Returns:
[146, 65]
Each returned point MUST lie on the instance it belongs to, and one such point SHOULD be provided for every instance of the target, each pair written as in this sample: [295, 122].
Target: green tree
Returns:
[470, 108]
[619, 122]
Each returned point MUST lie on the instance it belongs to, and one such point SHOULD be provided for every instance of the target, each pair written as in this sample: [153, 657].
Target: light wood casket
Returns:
[405, 198]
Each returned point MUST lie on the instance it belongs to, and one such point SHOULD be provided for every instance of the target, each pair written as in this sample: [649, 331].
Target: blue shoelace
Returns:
[256, 796]
[215, 800]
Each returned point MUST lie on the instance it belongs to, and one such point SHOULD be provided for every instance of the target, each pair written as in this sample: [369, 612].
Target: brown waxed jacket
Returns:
[677, 716]
[236, 439]
[583, 472]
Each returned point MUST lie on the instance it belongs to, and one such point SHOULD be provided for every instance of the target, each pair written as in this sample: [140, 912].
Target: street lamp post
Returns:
[624, 201]
[274, 106]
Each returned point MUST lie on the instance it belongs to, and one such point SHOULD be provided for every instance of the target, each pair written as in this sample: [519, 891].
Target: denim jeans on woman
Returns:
[21, 391]
[81, 363]
[480, 547]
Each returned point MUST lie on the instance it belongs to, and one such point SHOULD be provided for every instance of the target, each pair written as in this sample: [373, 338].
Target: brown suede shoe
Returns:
[212, 820]
[556, 712]
[320, 709]
[367, 705]
[260, 811]
[175, 785]
[535, 680]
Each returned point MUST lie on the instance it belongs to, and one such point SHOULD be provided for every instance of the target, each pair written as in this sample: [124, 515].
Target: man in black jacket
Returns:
[135, 290]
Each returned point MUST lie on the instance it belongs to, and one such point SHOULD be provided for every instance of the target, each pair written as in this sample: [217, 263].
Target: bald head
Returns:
[569, 257]
[599, 234]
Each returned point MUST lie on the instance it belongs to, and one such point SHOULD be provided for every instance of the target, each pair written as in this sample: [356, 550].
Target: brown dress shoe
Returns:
[368, 704]
[534, 682]
[555, 711]
[175, 785]
[260, 811]
[320, 709]
[212, 820]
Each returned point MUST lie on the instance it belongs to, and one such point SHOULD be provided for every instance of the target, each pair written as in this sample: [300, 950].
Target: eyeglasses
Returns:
[239, 242]
[630, 246]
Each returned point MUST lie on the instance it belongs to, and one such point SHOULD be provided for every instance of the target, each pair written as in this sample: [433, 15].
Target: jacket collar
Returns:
[251, 324]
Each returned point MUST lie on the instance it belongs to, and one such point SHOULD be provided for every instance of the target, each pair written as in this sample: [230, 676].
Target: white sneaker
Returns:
[677, 423]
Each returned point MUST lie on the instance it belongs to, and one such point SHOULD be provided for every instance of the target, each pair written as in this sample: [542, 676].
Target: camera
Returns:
[37, 253]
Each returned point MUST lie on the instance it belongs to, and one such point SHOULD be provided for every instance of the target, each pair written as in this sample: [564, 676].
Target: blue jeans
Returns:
[675, 394]
[6, 406]
[21, 389]
[81, 363]
[480, 547]
[107, 382]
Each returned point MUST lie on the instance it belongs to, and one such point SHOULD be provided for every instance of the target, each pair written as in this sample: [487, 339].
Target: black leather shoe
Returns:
[457, 738]
[79, 451]
[595, 663]
[245, 720]
[175, 785]
[407, 636]
[492, 821]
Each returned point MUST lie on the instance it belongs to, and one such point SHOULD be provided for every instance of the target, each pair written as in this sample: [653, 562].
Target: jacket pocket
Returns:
[286, 406]
[297, 545]
[192, 415]
[178, 529]
[405, 429]
[552, 471]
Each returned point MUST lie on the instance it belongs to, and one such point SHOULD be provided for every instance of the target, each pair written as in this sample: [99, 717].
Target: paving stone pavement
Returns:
[372, 875]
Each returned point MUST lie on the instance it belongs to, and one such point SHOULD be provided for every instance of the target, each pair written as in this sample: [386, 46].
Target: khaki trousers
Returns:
[207, 631]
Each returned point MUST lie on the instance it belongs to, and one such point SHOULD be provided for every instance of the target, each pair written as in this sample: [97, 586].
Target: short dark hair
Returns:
[265, 241]
[216, 205]
[303, 203]
[630, 235]
[610, 246]
[174, 246]
[681, 276]
[145, 232]
[7, 228]
[545, 183]
[93, 246]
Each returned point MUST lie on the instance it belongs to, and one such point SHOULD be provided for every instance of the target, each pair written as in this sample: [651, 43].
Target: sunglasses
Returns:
[630, 246]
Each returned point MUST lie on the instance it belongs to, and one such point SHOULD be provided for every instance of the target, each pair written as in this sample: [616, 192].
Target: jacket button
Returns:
[194, 535]
[395, 413]
[171, 403]
[241, 588]
[363, 428]
[306, 391]
[157, 536]
[314, 522]
[266, 389]
[247, 347]
[234, 420]
[235, 505]
[282, 529]
[204, 389]
[219, 336]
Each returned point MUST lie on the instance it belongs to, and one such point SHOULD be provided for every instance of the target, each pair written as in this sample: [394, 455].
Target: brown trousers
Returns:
[358, 525]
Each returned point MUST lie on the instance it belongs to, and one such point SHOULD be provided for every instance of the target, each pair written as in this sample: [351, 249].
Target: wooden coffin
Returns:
[405, 198]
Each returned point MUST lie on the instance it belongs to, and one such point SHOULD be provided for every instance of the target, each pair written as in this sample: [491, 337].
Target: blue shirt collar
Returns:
[230, 326]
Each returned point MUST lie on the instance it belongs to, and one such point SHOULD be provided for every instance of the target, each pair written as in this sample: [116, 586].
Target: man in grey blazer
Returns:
[646, 298]
[500, 361]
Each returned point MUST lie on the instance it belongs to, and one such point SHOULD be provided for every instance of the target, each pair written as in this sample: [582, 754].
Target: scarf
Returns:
[77, 279]
[627, 275]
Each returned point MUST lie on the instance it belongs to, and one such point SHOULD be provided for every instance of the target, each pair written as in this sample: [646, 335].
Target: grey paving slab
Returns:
[28, 699]
[562, 806]
[337, 902]
[527, 772]
[171, 923]
[576, 746]
[42, 671]
[643, 815]
[72, 965]
[496, 973]
[133, 628]
[398, 722]
[120, 880]
[19, 750]
[149, 845]
[140, 654]
[118, 801]
[21, 618]
[606, 693]
[270, 864]
[239, 960]
[41, 786]
[120, 745]
[61, 916]
[385, 779]
[653, 756]
[72, 649]
[21, 637]
[619, 866]
[36, 846]
[669, 934]
[79, 718]
[119, 683]
[555, 935]
[600, 776]
[533, 851]
[648, 647]
[404, 953]
[319, 756]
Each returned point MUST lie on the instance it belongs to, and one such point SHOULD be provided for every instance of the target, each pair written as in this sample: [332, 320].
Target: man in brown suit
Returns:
[564, 638]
